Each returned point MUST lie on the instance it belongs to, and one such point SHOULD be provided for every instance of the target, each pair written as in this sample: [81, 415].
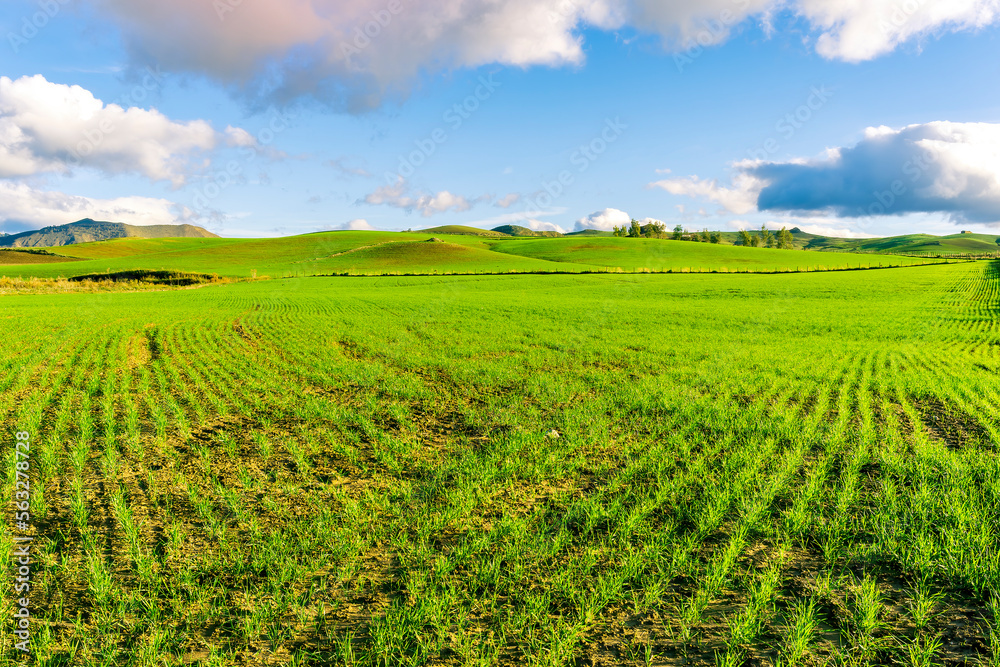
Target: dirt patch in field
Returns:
[620, 636]
[242, 332]
[139, 353]
[948, 423]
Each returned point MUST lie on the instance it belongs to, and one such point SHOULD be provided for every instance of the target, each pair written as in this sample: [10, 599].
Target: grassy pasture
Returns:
[912, 244]
[663, 255]
[133, 247]
[14, 257]
[310, 254]
[379, 253]
[636, 470]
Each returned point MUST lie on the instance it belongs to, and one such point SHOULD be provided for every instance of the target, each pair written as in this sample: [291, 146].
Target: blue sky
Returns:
[274, 130]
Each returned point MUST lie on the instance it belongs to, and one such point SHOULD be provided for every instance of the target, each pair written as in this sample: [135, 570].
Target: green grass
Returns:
[378, 253]
[16, 257]
[661, 255]
[424, 257]
[913, 244]
[790, 469]
[462, 230]
[131, 247]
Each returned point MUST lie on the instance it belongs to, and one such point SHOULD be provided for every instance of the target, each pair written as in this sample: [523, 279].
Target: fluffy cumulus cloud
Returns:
[605, 220]
[51, 128]
[427, 204]
[542, 226]
[862, 30]
[351, 54]
[939, 167]
[23, 207]
[357, 225]
[740, 199]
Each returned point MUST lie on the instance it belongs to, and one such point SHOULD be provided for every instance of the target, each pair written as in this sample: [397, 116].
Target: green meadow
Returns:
[595, 469]
[388, 253]
[664, 255]
[912, 244]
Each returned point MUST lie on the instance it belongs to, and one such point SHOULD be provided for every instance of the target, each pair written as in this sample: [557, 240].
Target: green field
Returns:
[386, 253]
[789, 469]
[910, 244]
[667, 255]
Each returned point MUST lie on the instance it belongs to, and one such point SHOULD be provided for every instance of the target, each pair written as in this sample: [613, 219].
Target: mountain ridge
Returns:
[89, 231]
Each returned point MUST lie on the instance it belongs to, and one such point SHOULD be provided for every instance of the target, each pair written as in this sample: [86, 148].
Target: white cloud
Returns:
[531, 220]
[739, 199]
[22, 206]
[862, 30]
[817, 226]
[427, 204]
[825, 230]
[542, 226]
[605, 220]
[354, 54]
[50, 128]
[349, 54]
[356, 225]
[508, 201]
[939, 167]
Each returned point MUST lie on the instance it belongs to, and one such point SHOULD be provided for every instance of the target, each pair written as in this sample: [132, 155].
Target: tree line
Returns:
[764, 238]
[657, 230]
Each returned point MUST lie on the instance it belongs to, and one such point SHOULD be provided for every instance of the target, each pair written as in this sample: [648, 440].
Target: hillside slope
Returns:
[665, 255]
[88, 231]
[461, 230]
[380, 253]
[517, 230]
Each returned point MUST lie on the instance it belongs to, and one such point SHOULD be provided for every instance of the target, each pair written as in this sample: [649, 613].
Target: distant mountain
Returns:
[88, 231]
[517, 230]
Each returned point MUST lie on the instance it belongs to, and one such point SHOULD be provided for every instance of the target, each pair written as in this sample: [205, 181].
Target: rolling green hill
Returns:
[661, 255]
[908, 244]
[311, 254]
[366, 252]
[916, 244]
[425, 257]
[462, 230]
[517, 230]
[15, 257]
